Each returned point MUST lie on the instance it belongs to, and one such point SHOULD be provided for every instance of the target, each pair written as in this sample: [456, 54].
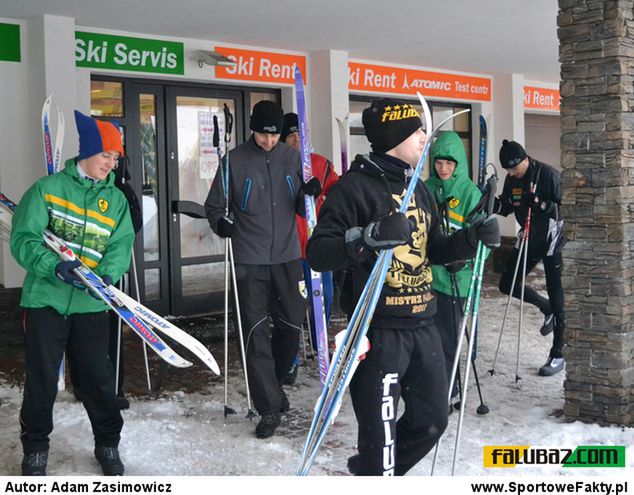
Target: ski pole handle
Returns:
[216, 138]
[228, 123]
[492, 184]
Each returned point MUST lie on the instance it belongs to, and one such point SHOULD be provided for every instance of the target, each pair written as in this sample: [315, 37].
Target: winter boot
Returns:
[122, 402]
[109, 459]
[34, 464]
[354, 464]
[549, 324]
[267, 425]
[552, 367]
[291, 376]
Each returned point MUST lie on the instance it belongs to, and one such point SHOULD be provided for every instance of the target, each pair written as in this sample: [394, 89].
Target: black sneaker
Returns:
[109, 459]
[284, 405]
[34, 464]
[552, 366]
[549, 324]
[267, 425]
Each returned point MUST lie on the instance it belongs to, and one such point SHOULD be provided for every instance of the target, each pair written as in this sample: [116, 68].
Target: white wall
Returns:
[17, 154]
[542, 138]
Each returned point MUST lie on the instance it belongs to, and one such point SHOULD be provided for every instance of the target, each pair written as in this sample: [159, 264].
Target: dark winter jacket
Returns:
[264, 194]
[456, 198]
[545, 215]
[370, 190]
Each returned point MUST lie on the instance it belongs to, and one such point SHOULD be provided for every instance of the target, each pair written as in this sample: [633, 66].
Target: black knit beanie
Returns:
[511, 154]
[389, 122]
[291, 125]
[267, 117]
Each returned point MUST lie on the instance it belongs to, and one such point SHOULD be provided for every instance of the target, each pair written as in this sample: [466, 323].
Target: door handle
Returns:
[189, 208]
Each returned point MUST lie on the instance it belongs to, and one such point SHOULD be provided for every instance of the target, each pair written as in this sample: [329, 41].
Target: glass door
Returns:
[197, 254]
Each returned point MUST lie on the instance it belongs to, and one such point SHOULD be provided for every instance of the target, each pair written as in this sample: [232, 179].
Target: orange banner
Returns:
[383, 79]
[541, 98]
[252, 65]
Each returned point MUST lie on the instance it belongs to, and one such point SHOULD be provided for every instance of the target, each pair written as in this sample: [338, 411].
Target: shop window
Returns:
[257, 96]
[106, 99]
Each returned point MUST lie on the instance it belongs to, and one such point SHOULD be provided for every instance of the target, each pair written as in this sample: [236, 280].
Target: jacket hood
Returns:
[448, 146]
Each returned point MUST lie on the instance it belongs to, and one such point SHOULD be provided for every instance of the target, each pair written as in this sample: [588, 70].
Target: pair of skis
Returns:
[347, 354]
[317, 292]
[52, 162]
[139, 318]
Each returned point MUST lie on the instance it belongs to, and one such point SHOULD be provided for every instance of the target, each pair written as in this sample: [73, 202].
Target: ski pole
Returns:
[137, 292]
[526, 234]
[463, 326]
[508, 304]
[230, 264]
[250, 412]
[474, 316]
[119, 331]
[224, 181]
[482, 408]
[310, 336]
[471, 310]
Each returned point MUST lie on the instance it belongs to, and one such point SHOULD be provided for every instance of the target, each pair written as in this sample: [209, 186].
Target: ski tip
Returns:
[213, 365]
[179, 362]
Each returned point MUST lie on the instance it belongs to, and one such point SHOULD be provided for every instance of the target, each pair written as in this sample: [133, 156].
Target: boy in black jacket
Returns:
[358, 219]
[544, 242]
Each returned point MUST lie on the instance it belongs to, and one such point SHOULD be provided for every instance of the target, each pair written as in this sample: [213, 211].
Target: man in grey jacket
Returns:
[265, 191]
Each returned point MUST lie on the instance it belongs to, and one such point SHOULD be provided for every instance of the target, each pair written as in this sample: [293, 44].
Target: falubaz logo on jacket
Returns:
[408, 272]
[399, 112]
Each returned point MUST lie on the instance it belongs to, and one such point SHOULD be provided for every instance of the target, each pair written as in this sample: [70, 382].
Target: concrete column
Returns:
[49, 58]
[328, 89]
[508, 108]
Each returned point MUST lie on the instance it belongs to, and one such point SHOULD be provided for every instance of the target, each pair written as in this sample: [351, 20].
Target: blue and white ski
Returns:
[317, 292]
[52, 159]
[52, 155]
[94, 283]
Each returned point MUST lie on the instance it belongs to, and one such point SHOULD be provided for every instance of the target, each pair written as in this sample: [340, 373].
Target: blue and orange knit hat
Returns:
[97, 136]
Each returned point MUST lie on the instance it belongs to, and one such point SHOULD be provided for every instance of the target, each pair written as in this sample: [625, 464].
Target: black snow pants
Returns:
[47, 335]
[407, 364]
[277, 291]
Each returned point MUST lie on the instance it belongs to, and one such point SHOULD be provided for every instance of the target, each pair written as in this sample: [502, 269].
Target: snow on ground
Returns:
[186, 434]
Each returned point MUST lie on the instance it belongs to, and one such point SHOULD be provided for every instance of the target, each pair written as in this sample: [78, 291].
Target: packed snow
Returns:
[185, 434]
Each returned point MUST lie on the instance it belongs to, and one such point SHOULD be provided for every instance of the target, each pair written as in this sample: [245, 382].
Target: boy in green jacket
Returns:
[456, 197]
[82, 206]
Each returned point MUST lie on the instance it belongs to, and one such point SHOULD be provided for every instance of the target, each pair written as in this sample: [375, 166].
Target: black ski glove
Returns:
[387, 232]
[486, 230]
[225, 227]
[64, 272]
[312, 187]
